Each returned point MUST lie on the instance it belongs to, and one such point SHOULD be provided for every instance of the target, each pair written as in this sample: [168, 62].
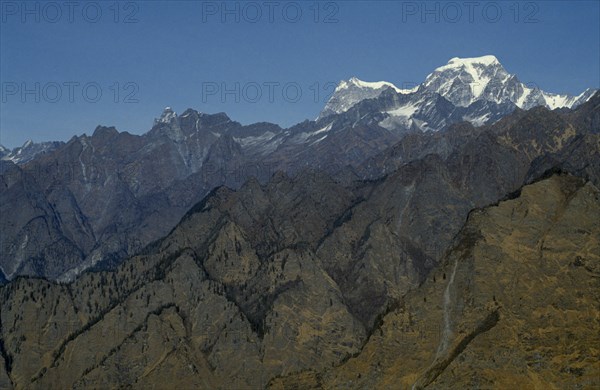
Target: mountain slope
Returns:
[119, 187]
[226, 287]
[513, 305]
[28, 151]
[217, 292]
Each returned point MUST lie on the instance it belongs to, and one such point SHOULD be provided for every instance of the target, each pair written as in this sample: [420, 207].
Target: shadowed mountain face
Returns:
[97, 200]
[102, 197]
[534, 132]
[237, 296]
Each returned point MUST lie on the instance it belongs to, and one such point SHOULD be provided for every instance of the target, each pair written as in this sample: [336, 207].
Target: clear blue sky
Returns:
[175, 53]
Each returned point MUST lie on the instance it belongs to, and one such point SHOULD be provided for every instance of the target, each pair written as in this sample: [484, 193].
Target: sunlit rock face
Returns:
[513, 305]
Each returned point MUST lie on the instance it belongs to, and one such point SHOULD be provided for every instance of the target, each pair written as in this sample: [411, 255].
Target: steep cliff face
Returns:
[514, 304]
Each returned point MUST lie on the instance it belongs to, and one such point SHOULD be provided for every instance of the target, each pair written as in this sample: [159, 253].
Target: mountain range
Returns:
[474, 86]
[444, 236]
[95, 200]
[410, 280]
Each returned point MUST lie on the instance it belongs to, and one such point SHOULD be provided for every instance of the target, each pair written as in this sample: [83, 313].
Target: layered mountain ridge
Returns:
[338, 253]
[64, 206]
[221, 304]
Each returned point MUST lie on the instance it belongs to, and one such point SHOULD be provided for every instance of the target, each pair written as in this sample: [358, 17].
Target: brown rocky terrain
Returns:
[290, 276]
[514, 303]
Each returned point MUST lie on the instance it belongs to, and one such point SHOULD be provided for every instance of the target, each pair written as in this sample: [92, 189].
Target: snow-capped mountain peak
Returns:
[466, 80]
[470, 84]
[376, 85]
[28, 151]
[554, 101]
[351, 91]
[167, 116]
[486, 60]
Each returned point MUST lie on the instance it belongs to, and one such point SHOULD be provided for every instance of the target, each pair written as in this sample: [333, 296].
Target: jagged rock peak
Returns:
[167, 116]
